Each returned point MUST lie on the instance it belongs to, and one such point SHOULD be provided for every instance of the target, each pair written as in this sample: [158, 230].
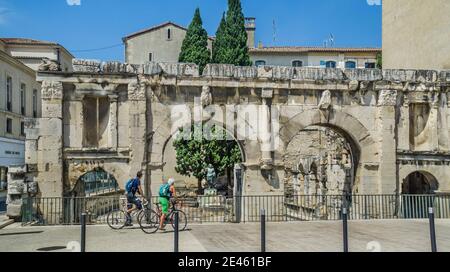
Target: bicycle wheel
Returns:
[116, 219]
[148, 221]
[182, 220]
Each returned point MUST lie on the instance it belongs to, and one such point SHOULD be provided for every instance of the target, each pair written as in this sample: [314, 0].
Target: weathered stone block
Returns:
[399, 75]
[86, 66]
[219, 70]
[245, 72]
[318, 74]
[51, 109]
[363, 74]
[283, 73]
[426, 76]
[113, 67]
[444, 76]
[179, 69]
[150, 68]
[265, 71]
[14, 211]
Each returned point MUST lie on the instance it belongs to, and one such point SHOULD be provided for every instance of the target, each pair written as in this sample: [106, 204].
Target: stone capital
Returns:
[136, 91]
[52, 90]
[387, 98]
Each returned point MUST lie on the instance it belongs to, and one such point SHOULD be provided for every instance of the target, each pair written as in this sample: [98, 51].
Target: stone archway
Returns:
[420, 183]
[162, 145]
[362, 147]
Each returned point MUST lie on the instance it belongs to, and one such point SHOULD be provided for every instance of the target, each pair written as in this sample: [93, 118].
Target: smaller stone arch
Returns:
[420, 183]
[95, 182]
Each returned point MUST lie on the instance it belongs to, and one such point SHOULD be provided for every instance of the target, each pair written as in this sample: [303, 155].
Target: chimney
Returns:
[250, 27]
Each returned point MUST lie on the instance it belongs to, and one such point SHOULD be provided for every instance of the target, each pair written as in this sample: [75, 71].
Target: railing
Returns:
[278, 208]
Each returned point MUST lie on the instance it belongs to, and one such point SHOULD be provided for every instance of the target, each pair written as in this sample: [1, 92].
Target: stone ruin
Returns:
[378, 126]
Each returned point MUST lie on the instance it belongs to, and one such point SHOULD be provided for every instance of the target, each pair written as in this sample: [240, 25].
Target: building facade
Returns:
[378, 132]
[160, 43]
[321, 57]
[415, 34]
[33, 52]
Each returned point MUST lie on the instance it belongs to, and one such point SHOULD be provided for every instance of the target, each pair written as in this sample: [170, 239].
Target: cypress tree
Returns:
[219, 43]
[195, 45]
[236, 50]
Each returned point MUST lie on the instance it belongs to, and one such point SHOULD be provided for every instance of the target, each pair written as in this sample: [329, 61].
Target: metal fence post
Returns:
[176, 233]
[263, 230]
[345, 229]
[83, 232]
[432, 230]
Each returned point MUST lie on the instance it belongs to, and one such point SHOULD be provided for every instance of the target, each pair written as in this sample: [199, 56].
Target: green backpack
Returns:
[164, 190]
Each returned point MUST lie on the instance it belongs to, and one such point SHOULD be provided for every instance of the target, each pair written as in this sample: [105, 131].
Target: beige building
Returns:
[320, 57]
[32, 52]
[161, 43]
[416, 34]
[20, 94]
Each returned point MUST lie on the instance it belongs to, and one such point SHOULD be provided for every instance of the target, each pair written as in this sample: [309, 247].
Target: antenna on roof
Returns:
[274, 32]
[331, 40]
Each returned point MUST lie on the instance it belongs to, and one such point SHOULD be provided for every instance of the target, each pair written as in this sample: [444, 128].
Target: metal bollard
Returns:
[263, 230]
[176, 233]
[432, 230]
[345, 229]
[83, 232]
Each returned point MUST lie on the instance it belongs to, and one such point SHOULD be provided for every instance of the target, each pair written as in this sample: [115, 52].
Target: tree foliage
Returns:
[231, 38]
[379, 63]
[195, 44]
[200, 146]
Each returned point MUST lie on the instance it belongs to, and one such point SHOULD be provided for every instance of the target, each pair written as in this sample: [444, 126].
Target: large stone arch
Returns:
[161, 140]
[363, 143]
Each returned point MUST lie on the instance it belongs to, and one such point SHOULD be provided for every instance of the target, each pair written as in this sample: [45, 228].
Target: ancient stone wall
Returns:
[394, 121]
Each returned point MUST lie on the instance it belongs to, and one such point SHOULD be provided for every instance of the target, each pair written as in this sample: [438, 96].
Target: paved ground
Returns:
[389, 235]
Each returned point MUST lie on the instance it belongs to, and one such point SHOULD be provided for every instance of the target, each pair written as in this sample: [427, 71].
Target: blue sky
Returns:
[102, 23]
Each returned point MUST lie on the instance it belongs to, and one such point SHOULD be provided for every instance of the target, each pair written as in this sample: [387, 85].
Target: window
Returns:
[350, 64]
[34, 103]
[169, 34]
[9, 94]
[22, 128]
[370, 65]
[96, 119]
[23, 92]
[297, 63]
[9, 125]
[150, 56]
[260, 63]
[330, 64]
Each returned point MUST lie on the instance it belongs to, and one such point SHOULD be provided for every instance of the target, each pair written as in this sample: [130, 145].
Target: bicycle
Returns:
[117, 219]
[150, 219]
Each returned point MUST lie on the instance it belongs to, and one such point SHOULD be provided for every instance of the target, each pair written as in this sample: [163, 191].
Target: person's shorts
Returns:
[133, 200]
[164, 205]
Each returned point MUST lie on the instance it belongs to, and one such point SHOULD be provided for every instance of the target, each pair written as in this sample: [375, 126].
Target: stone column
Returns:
[137, 128]
[404, 125]
[113, 111]
[387, 144]
[264, 130]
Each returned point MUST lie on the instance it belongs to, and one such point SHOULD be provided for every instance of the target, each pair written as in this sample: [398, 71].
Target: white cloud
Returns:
[3, 12]
[73, 2]
[374, 2]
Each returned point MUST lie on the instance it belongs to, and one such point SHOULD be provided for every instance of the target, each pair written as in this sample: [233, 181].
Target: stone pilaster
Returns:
[113, 125]
[387, 143]
[137, 127]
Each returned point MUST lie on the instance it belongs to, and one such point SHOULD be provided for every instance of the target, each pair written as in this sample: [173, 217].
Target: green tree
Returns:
[232, 42]
[219, 42]
[201, 146]
[195, 44]
[379, 61]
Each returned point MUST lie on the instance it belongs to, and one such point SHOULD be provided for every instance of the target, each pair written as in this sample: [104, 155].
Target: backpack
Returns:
[164, 190]
[130, 186]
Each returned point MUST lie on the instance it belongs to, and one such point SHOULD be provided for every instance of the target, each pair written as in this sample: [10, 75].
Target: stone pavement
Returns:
[386, 235]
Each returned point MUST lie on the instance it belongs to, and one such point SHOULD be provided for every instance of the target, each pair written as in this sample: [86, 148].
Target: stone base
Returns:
[210, 192]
